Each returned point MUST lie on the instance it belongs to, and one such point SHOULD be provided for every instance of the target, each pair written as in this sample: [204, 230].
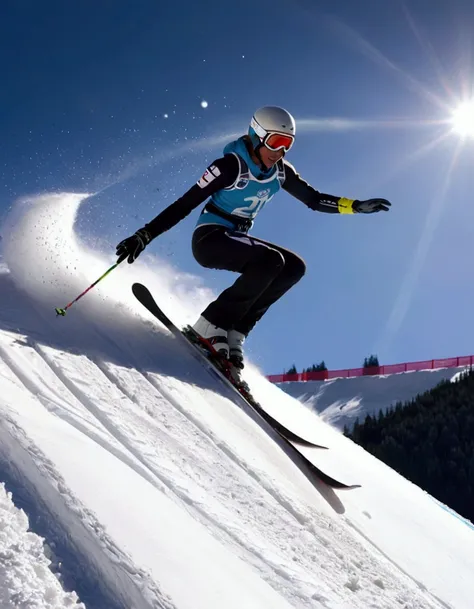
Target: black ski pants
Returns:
[266, 270]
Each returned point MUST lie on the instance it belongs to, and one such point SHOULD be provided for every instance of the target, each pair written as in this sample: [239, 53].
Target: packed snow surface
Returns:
[342, 401]
[154, 487]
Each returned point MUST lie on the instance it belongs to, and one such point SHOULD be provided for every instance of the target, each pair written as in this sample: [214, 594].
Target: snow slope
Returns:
[341, 401]
[151, 482]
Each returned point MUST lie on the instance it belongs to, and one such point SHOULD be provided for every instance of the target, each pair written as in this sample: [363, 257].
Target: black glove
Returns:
[133, 246]
[370, 206]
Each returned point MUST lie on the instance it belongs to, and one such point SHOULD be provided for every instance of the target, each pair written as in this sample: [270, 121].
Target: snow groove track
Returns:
[92, 563]
[201, 497]
[195, 447]
[170, 466]
[192, 433]
[184, 400]
[193, 412]
[170, 470]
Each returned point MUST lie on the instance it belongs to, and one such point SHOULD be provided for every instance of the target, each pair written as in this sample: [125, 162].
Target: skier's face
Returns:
[270, 157]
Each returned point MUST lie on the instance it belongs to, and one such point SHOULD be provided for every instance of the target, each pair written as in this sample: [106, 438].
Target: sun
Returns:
[462, 119]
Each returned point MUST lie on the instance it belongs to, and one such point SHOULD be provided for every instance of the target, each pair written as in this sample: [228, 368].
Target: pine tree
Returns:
[321, 367]
[371, 361]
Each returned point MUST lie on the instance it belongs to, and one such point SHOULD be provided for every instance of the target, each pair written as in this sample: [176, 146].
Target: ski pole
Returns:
[62, 312]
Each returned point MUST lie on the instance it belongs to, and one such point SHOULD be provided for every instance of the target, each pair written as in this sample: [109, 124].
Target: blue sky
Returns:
[106, 96]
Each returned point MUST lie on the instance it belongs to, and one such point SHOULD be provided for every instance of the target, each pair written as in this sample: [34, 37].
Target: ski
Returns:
[214, 364]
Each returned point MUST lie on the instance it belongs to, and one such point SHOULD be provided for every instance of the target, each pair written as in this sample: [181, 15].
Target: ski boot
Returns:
[235, 341]
[213, 341]
[217, 337]
[236, 356]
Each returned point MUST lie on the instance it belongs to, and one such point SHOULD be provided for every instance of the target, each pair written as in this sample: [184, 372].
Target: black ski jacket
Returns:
[228, 167]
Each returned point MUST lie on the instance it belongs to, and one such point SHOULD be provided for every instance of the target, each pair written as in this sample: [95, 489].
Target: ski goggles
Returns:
[273, 140]
[278, 141]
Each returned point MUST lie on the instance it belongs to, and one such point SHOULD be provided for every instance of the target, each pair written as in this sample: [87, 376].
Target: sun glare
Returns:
[462, 119]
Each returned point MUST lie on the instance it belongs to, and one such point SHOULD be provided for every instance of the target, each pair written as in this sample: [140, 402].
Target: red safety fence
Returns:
[323, 375]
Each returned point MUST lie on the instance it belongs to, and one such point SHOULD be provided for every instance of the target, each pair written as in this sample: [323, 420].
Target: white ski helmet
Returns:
[272, 127]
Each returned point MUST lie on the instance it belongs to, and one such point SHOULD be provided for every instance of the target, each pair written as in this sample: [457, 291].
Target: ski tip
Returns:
[307, 444]
[139, 289]
[337, 485]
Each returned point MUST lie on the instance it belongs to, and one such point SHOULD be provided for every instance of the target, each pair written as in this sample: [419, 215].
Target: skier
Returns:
[237, 186]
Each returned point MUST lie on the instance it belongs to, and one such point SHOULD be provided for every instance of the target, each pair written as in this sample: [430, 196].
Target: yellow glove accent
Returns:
[345, 206]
